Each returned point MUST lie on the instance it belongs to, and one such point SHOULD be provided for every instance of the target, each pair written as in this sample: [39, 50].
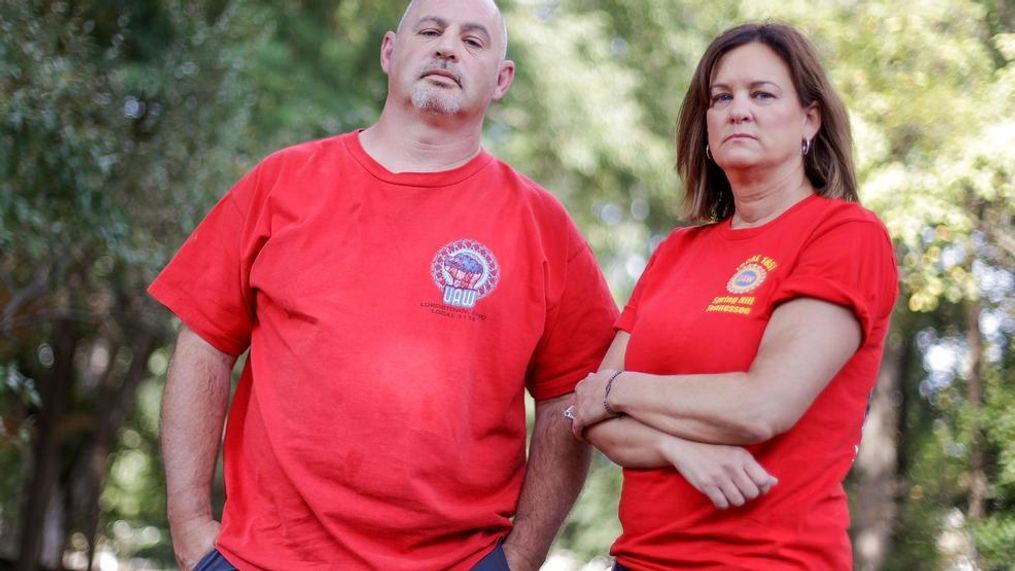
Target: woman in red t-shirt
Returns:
[749, 348]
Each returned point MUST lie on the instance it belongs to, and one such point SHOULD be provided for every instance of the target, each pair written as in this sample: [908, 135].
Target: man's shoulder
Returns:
[529, 190]
[287, 169]
[306, 151]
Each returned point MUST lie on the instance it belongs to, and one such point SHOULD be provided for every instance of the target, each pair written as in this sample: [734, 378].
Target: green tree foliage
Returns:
[122, 122]
[115, 121]
[319, 73]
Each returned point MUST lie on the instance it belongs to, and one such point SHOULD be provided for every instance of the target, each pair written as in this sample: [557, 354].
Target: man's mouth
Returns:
[441, 72]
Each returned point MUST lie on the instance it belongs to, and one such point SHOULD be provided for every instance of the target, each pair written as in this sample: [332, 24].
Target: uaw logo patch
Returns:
[747, 278]
[465, 271]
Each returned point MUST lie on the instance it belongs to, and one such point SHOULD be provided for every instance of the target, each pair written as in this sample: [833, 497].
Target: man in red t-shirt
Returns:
[398, 289]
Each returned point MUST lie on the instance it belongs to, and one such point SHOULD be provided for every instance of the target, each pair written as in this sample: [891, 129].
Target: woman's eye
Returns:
[721, 97]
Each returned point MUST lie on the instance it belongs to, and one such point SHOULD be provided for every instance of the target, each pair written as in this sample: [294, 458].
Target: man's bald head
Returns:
[416, 9]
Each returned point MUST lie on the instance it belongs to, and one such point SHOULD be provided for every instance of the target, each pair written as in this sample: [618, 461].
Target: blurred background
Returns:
[122, 122]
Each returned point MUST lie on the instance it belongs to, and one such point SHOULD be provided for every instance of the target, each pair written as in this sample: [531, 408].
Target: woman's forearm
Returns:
[727, 475]
[629, 443]
[720, 409]
[805, 344]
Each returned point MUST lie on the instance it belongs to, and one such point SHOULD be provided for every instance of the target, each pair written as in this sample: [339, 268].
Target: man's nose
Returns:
[447, 47]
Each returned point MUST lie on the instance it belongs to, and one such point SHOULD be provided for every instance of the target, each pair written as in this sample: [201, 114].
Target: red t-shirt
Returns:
[394, 322]
[701, 307]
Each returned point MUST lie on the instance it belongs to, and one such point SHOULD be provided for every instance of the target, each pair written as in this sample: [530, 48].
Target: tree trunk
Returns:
[974, 396]
[46, 456]
[120, 398]
[877, 463]
[54, 531]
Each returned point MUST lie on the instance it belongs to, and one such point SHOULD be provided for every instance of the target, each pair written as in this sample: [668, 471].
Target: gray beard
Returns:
[436, 99]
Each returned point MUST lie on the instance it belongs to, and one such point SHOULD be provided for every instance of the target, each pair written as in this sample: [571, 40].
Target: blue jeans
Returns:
[493, 561]
[214, 561]
[496, 560]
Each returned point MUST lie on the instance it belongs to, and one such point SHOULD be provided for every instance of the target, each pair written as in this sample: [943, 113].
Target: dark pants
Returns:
[494, 561]
[214, 562]
[619, 567]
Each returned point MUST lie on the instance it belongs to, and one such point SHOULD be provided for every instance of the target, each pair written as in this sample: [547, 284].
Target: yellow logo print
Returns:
[748, 277]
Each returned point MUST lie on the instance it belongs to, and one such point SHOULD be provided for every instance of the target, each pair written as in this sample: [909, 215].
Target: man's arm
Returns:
[555, 473]
[193, 411]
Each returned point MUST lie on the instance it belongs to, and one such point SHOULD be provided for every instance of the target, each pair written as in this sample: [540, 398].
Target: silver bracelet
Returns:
[606, 395]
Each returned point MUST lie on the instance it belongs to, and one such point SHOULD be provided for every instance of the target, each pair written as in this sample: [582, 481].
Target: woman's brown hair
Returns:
[829, 163]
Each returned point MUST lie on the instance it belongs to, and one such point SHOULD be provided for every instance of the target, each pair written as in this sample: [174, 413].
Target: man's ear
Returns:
[505, 76]
[387, 50]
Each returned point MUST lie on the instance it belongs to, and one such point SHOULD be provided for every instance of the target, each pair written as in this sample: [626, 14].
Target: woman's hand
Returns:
[728, 475]
[589, 396]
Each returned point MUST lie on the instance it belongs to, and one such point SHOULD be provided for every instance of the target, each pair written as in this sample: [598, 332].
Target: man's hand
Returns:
[554, 475]
[728, 475]
[517, 559]
[192, 540]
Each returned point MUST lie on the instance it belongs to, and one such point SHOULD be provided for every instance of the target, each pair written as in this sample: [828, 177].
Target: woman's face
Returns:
[755, 119]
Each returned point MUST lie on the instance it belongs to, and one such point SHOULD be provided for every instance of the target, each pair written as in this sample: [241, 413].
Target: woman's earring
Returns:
[805, 146]
[708, 153]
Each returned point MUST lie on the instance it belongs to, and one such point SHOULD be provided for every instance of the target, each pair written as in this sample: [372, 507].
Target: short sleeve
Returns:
[630, 314]
[579, 327]
[850, 264]
[206, 284]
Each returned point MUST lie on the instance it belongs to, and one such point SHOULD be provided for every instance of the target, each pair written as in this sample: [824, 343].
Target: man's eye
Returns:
[474, 42]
